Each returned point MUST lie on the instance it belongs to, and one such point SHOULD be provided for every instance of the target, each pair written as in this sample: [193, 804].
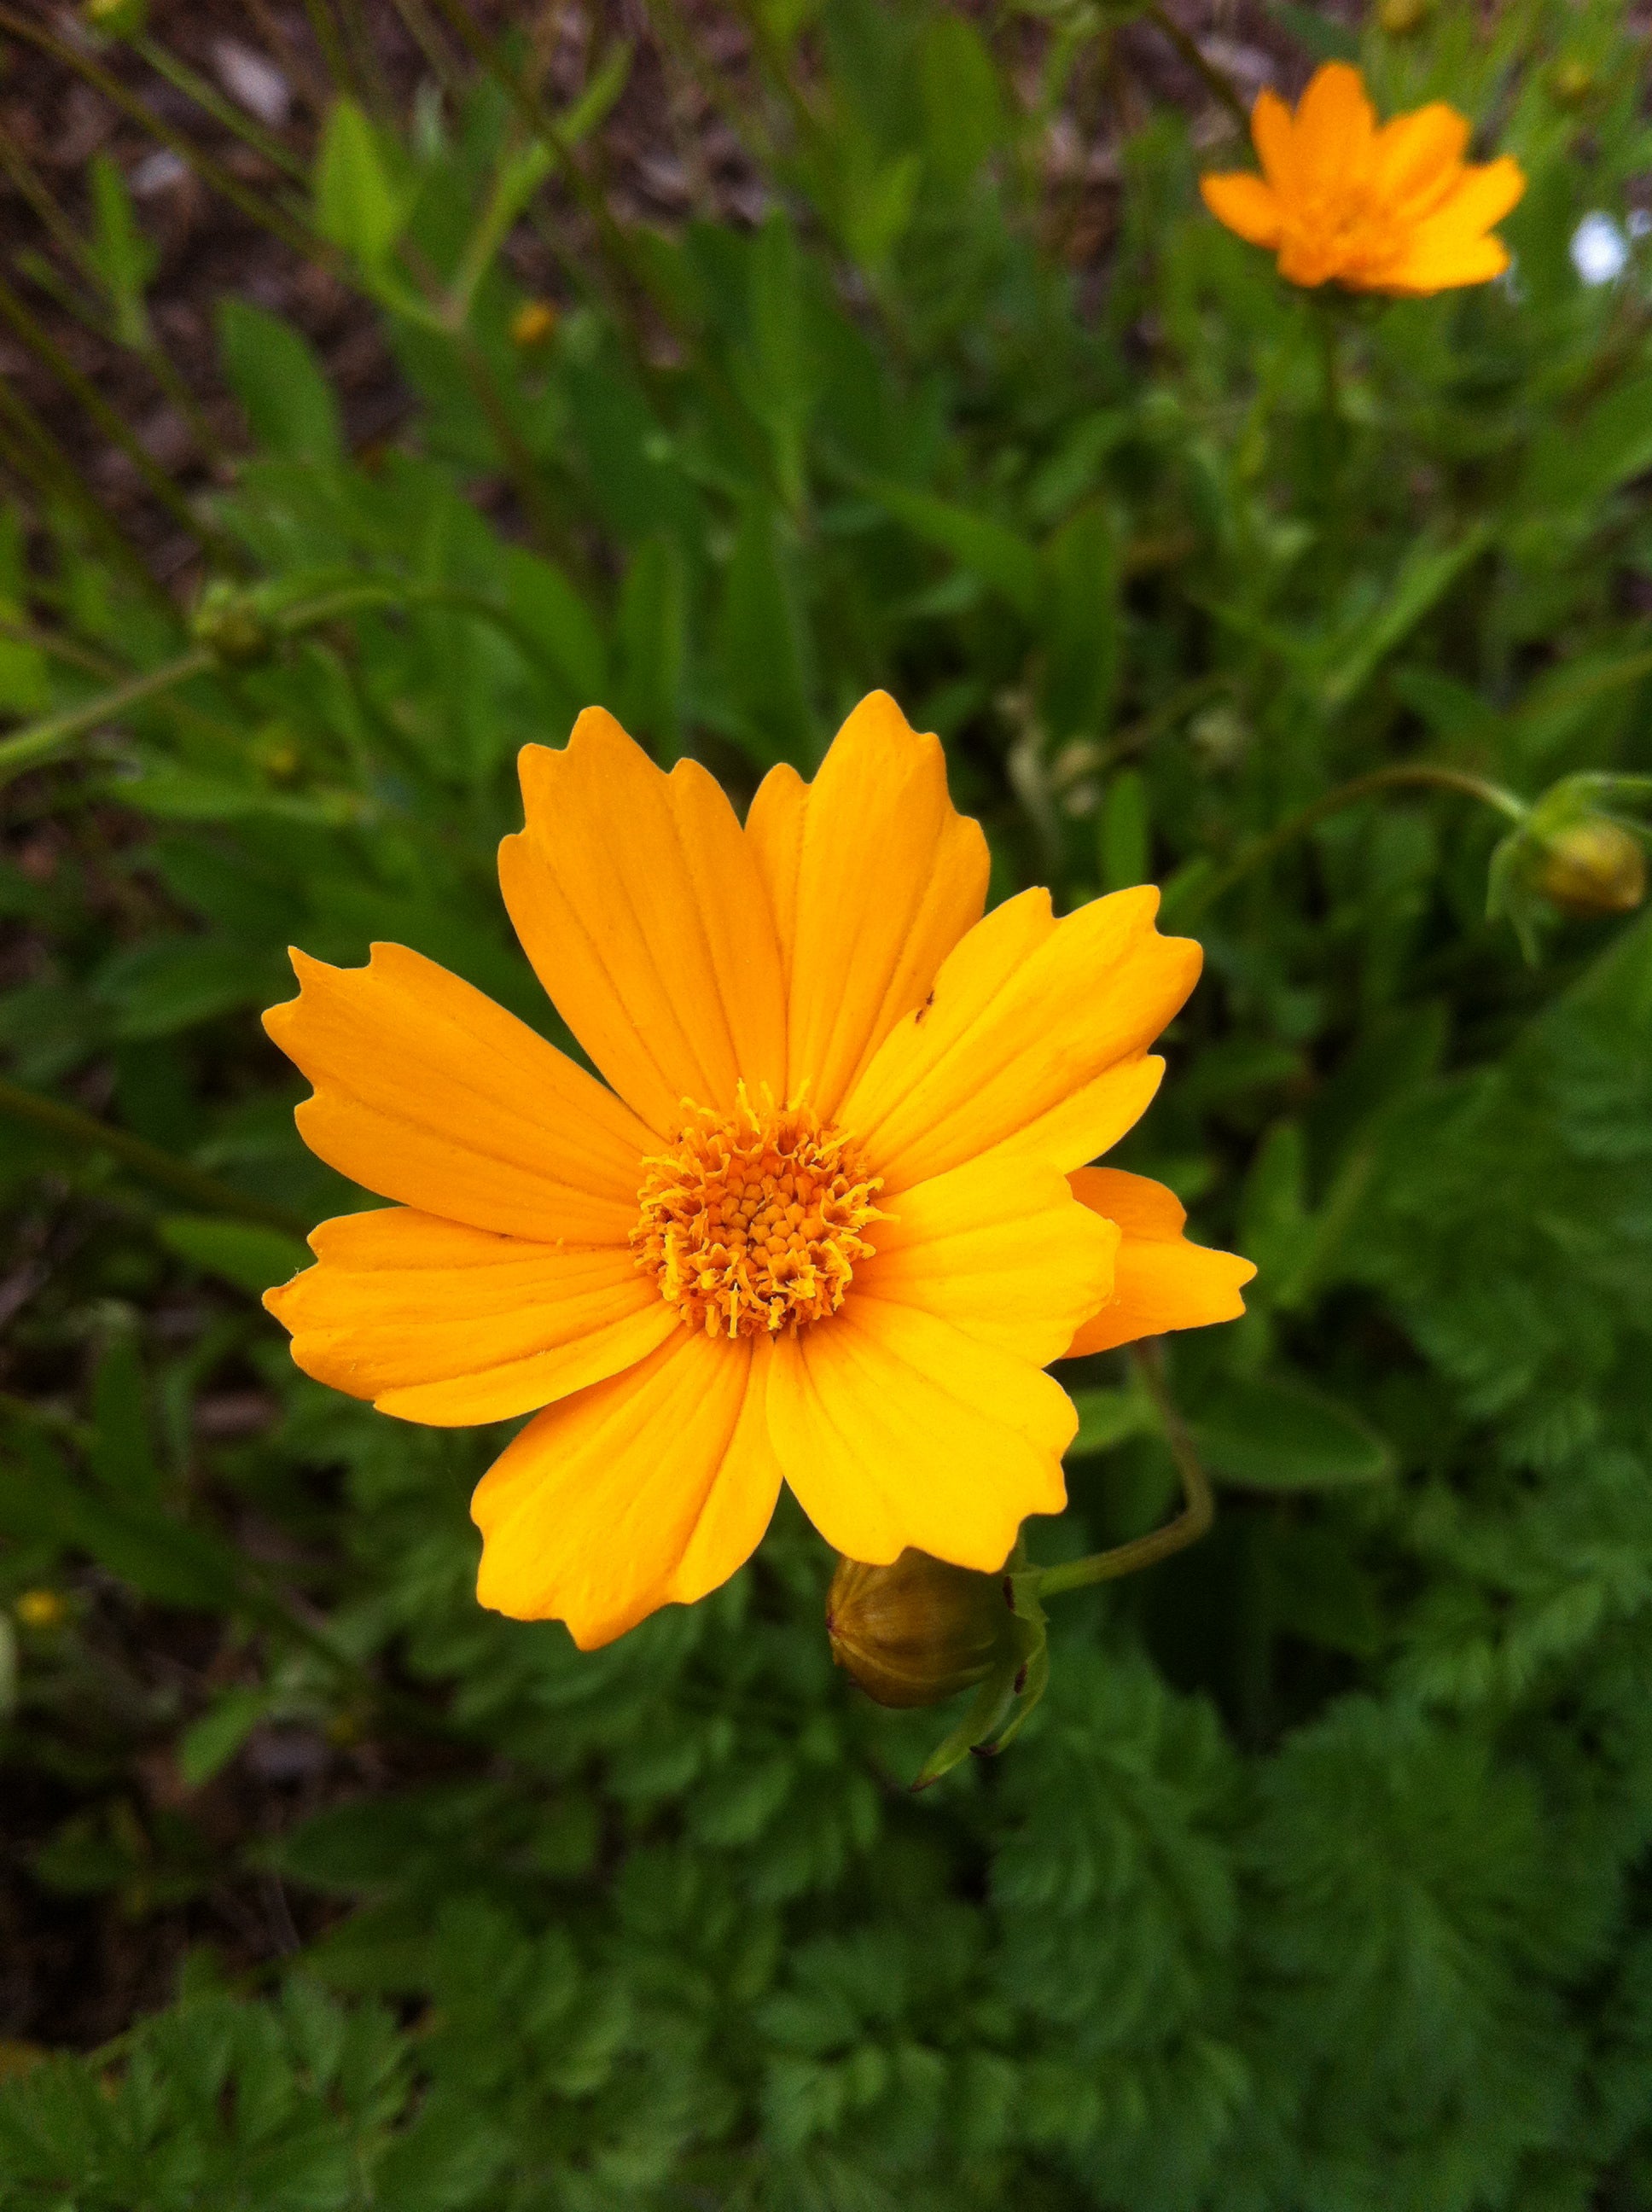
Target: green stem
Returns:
[1211, 78]
[1330, 372]
[1198, 1510]
[1416, 775]
[39, 458]
[212, 173]
[227, 113]
[42, 739]
[89, 1135]
[87, 396]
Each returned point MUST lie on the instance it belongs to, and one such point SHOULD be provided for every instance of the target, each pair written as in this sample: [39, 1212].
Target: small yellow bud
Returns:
[231, 625]
[917, 1631]
[1591, 866]
[42, 1608]
[532, 324]
[1571, 80]
[118, 19]
[1399, 18]
[276, 753]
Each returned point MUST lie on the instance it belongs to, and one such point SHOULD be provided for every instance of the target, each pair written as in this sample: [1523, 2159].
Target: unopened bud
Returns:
[1591, 866]
[118, 19]
[917, 1631]
[41, 1609]
[1399, 18]
[1571, 80]
[532, 324]
[229, 622]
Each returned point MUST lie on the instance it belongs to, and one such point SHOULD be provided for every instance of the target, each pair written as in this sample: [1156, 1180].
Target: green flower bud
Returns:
[231, 625]
[1399, 18]
[118, 19]
[917, 1631]
[1591, 866]
[1571, 80]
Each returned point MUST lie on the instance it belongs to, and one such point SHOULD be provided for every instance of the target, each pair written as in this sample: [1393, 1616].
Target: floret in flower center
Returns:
[752, 1221]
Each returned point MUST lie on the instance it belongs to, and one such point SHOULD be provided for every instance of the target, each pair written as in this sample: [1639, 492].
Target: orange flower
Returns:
[1395, 210]
[826, 1226]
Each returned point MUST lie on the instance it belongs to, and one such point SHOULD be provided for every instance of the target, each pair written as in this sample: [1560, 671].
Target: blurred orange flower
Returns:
[1395, 209]
[829, 1223]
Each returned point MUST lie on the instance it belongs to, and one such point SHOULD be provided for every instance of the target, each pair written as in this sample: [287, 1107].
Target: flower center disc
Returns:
[752, 1223]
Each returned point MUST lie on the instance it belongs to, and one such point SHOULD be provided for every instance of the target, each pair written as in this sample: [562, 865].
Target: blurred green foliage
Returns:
[1320, 1882]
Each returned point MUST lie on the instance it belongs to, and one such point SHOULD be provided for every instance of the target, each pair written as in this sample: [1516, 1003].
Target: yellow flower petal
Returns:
[894, 1428]
[1160, 1280]
[1245, 204]
[438, 1323]
[773, 828]
[998, 1248]
[1481, 195]
[1441, 262]
[740, 1503]
[1390, 210]
[1034, 1032]
[638, 899]
[1334, 135]
[889, 877]
[592, 1515]
[1420, 156]
[1273, 136]
[427, 1092]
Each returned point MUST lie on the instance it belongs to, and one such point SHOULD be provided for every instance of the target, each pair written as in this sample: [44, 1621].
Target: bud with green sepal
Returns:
[233, 625]
[118, 19]
[918, 1630]
[1576, 853]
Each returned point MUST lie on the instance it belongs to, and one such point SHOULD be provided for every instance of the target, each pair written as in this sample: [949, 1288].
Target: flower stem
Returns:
[1212, 78]
[89, 1135]
[1404, 775]
[43, 740]
[1198, 1509]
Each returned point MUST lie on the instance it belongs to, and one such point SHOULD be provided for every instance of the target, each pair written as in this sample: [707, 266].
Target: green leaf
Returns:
[778, 378]
[1107, 1417]
[360, 204]
[124, 257]
[288, 401]
[1268, 1433]
[591, 110]
[122, 1451]
[210, 1742]
[1124, 846]
[653, 642]
[1428, 573]
[1574, 465]
[169, 983]
[1326, 39]
[1081, 626]
[761, 648]
[558, 620]
[963, 107]
[987, 548]
[254, 1259]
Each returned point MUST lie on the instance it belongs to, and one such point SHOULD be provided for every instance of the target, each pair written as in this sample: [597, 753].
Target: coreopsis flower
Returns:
[1390, 209]
[825, 1218]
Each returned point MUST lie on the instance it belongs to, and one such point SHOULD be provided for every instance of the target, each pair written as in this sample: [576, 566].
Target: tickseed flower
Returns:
[1390, 210]
[824, 1221]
